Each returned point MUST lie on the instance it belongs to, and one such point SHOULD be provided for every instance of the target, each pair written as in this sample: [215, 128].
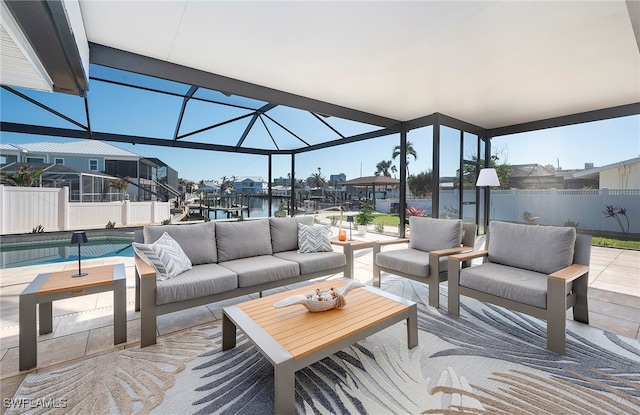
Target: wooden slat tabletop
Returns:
[63, 280]
[301, 332]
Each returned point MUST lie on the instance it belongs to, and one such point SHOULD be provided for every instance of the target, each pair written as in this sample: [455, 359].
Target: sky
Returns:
[130, 112]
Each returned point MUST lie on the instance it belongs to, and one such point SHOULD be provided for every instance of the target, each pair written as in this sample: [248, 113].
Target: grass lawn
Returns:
[388, 219]
[623, 243]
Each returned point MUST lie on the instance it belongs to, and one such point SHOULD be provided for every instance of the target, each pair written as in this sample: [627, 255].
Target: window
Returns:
[93, 164]
[35, 159]
[3, 160]
[58, 160]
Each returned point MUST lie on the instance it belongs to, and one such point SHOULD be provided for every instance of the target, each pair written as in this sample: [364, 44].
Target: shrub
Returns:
[166, 222]
[529, 218]
[611, 211]
[38, 229]
[110, 225]
[379, 227]
[365, 216]
[570, 223]
[414, 211]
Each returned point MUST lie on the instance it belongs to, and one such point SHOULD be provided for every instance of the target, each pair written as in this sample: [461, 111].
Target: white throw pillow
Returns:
[313, 239]
[165, 255]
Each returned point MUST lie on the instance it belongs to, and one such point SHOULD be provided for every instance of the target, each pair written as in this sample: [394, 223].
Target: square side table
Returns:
[49, 287]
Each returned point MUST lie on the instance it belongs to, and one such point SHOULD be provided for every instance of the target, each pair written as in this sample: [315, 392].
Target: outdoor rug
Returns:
[487, 361]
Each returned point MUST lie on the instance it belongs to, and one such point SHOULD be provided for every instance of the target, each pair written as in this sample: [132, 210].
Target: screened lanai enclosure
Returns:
[274, 80]
[83, 186]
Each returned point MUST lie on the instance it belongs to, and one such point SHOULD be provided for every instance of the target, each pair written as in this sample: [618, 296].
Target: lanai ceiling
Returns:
[492, 64]
[488, 63]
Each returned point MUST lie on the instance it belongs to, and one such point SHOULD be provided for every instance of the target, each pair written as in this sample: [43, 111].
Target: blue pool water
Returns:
[45, 252]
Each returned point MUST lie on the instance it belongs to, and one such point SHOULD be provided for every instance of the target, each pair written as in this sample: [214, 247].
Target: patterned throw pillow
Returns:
[313, 239]
[165, 255]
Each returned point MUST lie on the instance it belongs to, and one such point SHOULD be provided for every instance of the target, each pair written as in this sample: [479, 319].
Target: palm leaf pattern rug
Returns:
[487, 361]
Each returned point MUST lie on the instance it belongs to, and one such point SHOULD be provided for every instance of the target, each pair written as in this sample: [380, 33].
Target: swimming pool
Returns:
[20, 254]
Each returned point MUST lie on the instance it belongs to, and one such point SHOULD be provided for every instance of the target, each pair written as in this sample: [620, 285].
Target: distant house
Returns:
[250, 185]
[535, 176]
[151, 179]
[336, 179]
[620, 175]
[210, 186]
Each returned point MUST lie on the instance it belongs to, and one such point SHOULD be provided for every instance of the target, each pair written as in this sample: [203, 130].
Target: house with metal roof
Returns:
[250, 185]
[623, 174]
[150, 178]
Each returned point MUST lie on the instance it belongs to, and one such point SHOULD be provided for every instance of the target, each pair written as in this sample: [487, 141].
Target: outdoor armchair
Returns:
[430, 241]
[541, 271]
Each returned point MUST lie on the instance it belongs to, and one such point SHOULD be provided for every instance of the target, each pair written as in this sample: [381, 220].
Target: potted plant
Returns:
[364, 218]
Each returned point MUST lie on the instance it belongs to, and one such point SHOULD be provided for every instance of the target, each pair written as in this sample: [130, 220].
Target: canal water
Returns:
[258, 208]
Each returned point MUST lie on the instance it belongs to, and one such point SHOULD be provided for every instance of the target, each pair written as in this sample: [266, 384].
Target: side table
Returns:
[46, 288]
[348, 248]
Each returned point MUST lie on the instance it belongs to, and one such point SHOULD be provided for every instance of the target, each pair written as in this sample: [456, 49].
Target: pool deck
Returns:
[83, 326]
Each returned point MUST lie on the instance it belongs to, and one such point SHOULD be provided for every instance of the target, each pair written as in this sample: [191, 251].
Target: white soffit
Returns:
[19, 65]
[488, 63]
[76, 23]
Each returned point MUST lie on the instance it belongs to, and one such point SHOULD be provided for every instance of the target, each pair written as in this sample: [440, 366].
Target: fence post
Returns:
[63, 209]
[125, 212]
[2, 211]
[154, 213]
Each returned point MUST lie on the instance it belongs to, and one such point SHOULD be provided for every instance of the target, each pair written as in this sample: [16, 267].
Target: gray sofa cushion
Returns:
[314, 261]
[284, 232]
[544, 249]
[198, 241]
[409, 261]
[515, 284]
[261, 269]
[199, 281]
[243, 239]
[429, 234]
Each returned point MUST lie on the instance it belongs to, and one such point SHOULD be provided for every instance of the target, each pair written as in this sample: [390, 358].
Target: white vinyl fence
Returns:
[25, 208]
[550, 206]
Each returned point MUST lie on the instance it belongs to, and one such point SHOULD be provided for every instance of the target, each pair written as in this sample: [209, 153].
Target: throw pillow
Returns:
[313, 239]
[165, 255]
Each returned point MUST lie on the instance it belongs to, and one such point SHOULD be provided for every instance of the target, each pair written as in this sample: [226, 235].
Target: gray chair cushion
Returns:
[243, 239]
[199, 281]
[198, 240]
[523, 286]
[284, 232]
[314, 261]
[261, 269]
[429, 234]
[409, 261]
[544, 249]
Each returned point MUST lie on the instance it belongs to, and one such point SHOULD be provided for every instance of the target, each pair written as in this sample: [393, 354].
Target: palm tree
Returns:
[410, 152]
[21, 178]
[384, 167]
[120, 185]
[319, 180]
[226, 183]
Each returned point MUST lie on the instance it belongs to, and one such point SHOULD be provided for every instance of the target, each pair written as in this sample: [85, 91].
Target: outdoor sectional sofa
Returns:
[230, 259]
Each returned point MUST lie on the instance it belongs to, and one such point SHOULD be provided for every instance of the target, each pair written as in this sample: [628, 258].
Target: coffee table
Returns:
[292, 338]
[46, 288]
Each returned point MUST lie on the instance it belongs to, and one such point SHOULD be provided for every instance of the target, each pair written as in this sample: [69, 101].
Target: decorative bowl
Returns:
[320, 300]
